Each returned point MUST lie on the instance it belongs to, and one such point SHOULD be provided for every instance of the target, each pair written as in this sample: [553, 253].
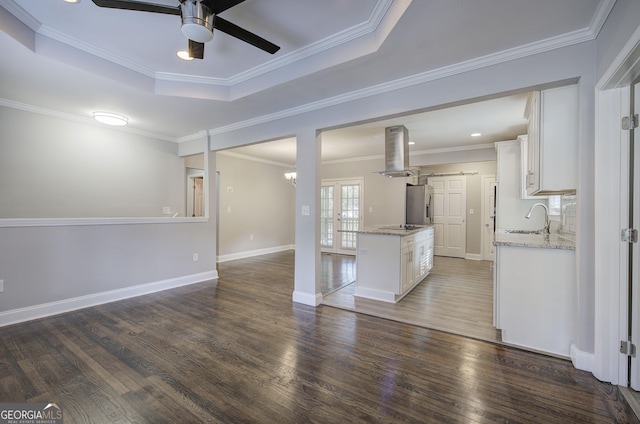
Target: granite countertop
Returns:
[545, 241]
[392, 230]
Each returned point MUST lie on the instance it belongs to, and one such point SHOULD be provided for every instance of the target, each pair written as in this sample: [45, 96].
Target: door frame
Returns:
[464, 212]
[486, 256]
[336, 182]
[612, 95]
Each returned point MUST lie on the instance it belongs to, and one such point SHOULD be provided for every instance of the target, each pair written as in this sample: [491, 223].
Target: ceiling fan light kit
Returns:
[199, 18]
[197, 21]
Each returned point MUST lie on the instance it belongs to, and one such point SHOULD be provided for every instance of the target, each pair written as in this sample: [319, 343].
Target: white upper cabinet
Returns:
[552, 145]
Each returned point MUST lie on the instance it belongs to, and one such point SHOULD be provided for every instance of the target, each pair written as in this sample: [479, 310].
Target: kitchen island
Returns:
[392, 260]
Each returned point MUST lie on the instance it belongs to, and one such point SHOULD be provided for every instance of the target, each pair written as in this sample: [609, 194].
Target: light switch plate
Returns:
[306, 211]
[1, 286]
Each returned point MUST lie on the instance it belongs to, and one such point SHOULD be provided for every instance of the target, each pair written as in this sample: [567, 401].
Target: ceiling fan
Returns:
[199, 18]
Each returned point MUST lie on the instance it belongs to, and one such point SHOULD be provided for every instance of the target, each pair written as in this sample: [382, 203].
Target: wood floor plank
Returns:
[457, 297]
[240, 350]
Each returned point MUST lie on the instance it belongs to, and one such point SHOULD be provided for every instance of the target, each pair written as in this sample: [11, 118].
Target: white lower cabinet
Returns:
[389, 266]
[535, 298]
[407, 270]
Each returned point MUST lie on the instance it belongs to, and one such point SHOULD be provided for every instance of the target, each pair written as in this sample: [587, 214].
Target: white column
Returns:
[307, 262]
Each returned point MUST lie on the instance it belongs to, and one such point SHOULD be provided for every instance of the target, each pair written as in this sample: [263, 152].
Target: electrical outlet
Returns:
[1, 286]
[471, 211]
[250, 236]
[166, 210]
[306, 211]
[195, 257]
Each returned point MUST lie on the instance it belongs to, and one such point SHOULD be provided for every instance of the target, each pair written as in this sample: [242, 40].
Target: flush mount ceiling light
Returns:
[110, 118]
[72, 1]
[197, 21]
[476, 134]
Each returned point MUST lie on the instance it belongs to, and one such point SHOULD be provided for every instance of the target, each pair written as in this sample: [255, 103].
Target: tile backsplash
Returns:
[568, 216]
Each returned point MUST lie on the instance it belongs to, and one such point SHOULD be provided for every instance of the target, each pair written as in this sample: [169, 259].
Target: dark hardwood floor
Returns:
[337, 271]
[239, 350]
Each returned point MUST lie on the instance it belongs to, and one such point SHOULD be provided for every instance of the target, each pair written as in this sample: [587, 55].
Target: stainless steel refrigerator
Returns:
[419, 205]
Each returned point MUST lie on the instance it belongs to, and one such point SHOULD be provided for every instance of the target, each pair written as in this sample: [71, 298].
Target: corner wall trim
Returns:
[307, 298]
[29, 313]
[581, 360]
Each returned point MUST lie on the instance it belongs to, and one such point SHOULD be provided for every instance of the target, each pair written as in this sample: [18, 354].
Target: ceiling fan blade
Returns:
[244, 35]
[219, 6]
[138, 5]
[196, 50]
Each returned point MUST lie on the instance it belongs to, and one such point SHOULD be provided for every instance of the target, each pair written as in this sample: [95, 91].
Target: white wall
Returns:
[255, 199]
[54, 168]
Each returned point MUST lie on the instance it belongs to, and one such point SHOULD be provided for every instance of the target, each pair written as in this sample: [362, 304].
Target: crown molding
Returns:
[383, 18]
[13, 8]
[80, 119]
[454, 149]
[81, 45]
[565, 40]
[255, 159]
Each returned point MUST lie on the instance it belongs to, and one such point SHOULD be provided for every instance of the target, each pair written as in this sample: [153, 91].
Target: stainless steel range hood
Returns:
[396, 152]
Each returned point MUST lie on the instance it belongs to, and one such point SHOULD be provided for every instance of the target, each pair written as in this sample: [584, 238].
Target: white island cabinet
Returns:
[390, 262]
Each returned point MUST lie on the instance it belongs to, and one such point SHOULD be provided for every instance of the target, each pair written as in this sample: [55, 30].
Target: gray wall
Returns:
[54, 168]
[56, 265]
[385, 196]
[621, 23]
[255, 199]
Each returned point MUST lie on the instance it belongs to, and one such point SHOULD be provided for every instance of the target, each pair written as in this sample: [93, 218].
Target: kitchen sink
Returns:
[523, 231]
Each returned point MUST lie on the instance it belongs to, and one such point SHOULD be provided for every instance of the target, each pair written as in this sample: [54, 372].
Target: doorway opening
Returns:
[341, 203]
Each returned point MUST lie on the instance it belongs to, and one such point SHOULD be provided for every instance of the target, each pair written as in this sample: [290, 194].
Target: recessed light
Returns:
[412, 143]
[72, 1]
[110, 118]
[476, 134]
[184, 55]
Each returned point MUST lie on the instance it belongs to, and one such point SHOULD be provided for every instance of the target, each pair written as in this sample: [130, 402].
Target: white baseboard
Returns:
[582, 360]
[29, 313]
[307, 298]
[473, 257]
[251, 253]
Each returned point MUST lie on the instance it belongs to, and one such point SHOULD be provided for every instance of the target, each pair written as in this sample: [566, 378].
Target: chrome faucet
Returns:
[545, 230]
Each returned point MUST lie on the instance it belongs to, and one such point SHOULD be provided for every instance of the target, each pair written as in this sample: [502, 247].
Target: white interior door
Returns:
[449, 218]
[488, 214]
[340, 213]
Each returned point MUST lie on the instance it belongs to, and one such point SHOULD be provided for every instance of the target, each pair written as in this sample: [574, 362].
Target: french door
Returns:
[340, 212]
